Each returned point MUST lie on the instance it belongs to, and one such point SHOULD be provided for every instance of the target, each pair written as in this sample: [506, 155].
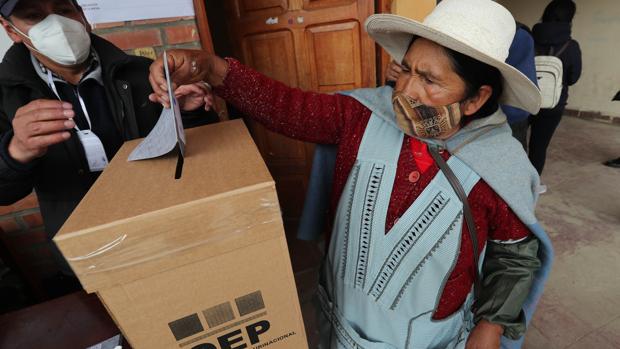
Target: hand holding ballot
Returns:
[191, 97]
[186, 67]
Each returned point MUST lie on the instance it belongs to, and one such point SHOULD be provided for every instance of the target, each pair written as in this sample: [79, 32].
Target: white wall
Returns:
[596, 27]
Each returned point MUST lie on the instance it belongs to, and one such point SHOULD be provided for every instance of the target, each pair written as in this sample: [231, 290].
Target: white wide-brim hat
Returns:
[481, 29]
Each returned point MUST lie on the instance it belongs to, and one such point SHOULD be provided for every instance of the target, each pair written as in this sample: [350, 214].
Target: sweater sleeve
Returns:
[507, 276]
[510, 262]
[15, 178]
[307, 116]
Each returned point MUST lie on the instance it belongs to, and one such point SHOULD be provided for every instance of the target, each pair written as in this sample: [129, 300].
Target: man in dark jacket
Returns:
[67, 97]
[551, 35]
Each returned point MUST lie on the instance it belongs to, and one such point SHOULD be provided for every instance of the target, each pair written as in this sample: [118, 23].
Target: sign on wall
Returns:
[106, 11]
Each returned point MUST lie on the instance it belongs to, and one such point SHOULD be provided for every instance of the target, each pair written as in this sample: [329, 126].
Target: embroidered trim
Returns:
[370, 201]
[410, 328]
[406, 244]
[426, 258]
[337, 325]
[347, 227]
[343, 334]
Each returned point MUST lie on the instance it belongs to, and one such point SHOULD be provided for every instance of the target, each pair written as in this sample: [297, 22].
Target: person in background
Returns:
[614, 162]
[521, 56]
[552, 34]
[402, 263]
[68, 101]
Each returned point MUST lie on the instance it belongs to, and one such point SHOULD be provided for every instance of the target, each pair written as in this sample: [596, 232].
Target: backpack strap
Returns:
[564, 47]
[540, 50]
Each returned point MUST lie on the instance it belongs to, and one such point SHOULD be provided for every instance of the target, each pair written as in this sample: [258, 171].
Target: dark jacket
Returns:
[554, 35]
[61, 177]
[521, 56]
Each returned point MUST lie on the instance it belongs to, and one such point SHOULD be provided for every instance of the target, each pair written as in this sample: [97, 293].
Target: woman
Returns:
[402, 258]
[553, 35]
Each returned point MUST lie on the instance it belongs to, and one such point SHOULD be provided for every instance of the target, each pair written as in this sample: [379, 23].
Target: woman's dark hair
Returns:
[560, 11]
[475, 74]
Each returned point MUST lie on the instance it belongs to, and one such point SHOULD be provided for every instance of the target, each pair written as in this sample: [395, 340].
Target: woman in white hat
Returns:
[435, 243]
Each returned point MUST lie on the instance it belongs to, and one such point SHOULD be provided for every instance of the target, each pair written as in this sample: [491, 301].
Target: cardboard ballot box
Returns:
[200, 262]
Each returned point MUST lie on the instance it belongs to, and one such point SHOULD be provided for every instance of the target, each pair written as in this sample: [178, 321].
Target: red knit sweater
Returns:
[338, 119]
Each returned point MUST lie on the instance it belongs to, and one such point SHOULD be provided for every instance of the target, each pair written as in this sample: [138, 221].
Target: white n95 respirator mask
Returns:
[61, 39]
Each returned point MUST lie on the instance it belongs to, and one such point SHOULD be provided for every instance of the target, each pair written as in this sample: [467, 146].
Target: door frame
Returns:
[202, 22]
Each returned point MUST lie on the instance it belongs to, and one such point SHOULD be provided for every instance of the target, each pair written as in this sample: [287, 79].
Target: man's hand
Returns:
[38, 125]
[486, 335]
[191, 97]
[186, 67]
[393, 71]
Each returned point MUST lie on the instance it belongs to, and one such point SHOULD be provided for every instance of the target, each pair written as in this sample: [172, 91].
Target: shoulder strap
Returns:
[469, 218]
[564, 47]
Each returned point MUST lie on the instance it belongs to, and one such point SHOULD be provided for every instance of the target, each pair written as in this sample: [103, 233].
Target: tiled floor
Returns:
[581, 212]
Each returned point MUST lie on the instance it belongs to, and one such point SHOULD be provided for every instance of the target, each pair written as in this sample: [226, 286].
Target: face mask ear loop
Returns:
[17, 29]
[23, 36]
[461, 108]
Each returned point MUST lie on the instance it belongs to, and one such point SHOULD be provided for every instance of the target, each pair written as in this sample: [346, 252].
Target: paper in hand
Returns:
[167, 133]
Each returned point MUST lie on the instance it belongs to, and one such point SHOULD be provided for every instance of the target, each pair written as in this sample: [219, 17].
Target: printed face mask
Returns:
[61, 39]
[417, 119]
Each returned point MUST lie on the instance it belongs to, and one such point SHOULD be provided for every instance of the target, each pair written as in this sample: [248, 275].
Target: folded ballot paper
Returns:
[112, 343]
[168, 133]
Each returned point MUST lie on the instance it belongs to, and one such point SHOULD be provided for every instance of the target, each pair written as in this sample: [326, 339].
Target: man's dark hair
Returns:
[559, 11]
[22, 6]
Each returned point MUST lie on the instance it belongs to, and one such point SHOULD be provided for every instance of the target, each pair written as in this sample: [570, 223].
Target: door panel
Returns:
[273, 55]
[316, 4]
[282, 149]
[290, 188]
[334, 53]
[248, 8]
[315, 45]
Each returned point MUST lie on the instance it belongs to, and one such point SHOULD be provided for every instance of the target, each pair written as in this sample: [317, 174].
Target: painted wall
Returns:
[595, 27]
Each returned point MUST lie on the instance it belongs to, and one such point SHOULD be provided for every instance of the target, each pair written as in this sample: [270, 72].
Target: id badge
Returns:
[93, 148]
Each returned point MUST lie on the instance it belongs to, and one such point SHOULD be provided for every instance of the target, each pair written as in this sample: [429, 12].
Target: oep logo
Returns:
[237, 339]
[224, 328]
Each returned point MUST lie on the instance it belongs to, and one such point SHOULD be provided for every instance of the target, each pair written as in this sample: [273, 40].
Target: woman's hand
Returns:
[486, 335]
[186, 67]
[393, 71]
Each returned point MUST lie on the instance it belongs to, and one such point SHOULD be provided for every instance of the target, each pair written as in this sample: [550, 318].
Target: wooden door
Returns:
[415, 9]
[318, 45]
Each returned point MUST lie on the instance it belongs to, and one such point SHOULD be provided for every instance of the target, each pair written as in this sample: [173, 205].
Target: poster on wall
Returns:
[106, 11]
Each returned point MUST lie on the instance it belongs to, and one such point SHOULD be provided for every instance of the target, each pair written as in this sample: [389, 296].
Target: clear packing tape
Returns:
[175, 236]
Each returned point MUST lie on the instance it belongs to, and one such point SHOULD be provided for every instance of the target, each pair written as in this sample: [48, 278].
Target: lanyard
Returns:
[50, 82]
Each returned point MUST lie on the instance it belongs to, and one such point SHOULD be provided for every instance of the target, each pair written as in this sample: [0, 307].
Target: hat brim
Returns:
[394, 34]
